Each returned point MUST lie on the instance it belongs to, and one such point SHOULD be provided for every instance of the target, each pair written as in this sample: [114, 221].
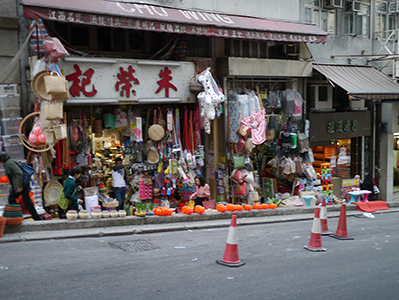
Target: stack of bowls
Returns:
[13, 214]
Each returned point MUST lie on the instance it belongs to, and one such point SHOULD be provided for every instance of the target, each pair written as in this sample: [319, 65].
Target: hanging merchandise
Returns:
[257, 123]
[54, 85]
[298, 105]
[54, 49]
[210, 98]
[53, 110]
[288, 105]
[121, 118]
[37, 135]
[109, 121]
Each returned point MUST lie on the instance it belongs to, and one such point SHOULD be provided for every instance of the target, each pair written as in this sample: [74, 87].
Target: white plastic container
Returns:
[10, 126]
[8, 89]
[11, 112]
[9, 101]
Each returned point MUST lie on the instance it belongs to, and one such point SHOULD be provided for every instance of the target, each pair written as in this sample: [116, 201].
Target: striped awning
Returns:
[361, 82]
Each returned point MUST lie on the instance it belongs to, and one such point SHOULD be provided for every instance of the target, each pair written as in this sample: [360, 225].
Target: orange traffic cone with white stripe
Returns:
[315, 237]
[323, 218]
[342, 233]
[230, 257]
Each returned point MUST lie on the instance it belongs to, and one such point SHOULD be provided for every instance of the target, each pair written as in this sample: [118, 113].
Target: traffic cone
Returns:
[230, 257]
[342, 233]
[323, 218]
[315, 237]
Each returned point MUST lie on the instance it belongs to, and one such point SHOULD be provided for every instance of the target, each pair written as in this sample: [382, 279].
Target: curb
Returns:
[64, 229]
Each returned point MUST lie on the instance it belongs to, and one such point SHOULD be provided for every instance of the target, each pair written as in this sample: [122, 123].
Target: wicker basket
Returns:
[60, 131]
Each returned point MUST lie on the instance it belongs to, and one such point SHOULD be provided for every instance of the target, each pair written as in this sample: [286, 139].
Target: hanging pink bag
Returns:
[257, 122]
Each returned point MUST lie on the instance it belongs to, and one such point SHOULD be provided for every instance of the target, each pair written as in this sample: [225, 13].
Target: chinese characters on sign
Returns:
[165, 82]
[82, 82]
[124, 79]
[342, 126]
[80, 85]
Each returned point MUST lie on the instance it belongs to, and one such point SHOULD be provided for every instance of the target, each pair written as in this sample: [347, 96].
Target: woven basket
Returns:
[49, 136]
[53, 111]
[60, 131]
[54, 84]
[156, 132]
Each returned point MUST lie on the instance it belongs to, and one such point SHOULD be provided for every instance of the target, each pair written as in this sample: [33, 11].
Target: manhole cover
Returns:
[134, 246]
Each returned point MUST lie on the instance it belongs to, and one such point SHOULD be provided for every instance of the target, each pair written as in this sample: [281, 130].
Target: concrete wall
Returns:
[282, 9]
[9, 37]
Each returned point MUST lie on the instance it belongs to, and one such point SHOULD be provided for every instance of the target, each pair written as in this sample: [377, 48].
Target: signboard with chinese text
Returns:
[338, 125]
[129, 81]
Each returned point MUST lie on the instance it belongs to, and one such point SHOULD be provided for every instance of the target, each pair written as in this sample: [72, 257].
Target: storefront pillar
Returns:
[386, 165]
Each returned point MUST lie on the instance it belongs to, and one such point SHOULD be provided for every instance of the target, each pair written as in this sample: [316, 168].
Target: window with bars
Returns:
[315, 13]
[358, 23]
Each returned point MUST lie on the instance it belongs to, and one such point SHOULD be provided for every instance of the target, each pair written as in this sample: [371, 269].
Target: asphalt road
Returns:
[181, 265]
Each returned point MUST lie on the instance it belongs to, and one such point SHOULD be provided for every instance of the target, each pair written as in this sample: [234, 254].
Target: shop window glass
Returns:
[136, 41]
[245, 48]
[262, 49]
[237, 47]
[198, 46]
[80, 36]
[104, 43]
[254, 49]
[119, 40]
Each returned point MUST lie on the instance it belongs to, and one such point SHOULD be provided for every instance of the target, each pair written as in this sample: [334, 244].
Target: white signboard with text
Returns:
[96, 80]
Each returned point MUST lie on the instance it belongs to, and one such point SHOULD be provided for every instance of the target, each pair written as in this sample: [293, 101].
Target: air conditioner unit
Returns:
[356, 104]
[333, 4]
[320, 96]
[393, 7]
[352, 6]
[290, 48]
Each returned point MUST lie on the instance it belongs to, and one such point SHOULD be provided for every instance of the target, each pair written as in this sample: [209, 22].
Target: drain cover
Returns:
[134, 246]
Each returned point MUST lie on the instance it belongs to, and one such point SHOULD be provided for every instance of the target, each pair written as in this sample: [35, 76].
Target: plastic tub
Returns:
[4, 188]
[8, 89]
[8, 101]
[16, 151]
[4, 199]
[10, 139]
[11, 112]
[10, 126]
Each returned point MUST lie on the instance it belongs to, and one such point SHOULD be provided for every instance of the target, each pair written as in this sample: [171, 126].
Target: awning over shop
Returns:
[361, 82]
[165, 19]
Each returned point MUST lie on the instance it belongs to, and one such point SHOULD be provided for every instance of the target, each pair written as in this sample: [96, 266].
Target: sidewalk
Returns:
[63, 229]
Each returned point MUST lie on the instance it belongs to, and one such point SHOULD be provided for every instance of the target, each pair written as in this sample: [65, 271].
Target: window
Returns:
[315, 14]
[381, 19]
[357, 23]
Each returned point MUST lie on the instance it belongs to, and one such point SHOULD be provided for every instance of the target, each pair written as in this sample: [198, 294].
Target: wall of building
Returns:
[9, 37]
[283, 9]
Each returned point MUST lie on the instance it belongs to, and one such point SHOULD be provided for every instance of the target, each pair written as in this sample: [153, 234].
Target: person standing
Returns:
[202, 192]
[18, 188]
[71, 189]
[119, 177]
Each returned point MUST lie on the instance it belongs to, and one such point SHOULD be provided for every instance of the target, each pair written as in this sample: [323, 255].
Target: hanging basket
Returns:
[26, 142]
[60, 131]
[195, 87]
[49, 136]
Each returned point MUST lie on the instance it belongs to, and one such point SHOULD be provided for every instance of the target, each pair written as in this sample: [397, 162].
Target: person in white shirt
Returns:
[119, 177]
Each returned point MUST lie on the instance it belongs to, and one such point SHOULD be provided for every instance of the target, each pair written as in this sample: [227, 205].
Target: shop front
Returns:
[371, 97]
[337, 138]
[115, 104]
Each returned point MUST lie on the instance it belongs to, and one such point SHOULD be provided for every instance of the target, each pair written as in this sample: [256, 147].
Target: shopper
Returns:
[18, 188]
[71, 189]
[202, 192]
[369, 184]
[119, 176]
